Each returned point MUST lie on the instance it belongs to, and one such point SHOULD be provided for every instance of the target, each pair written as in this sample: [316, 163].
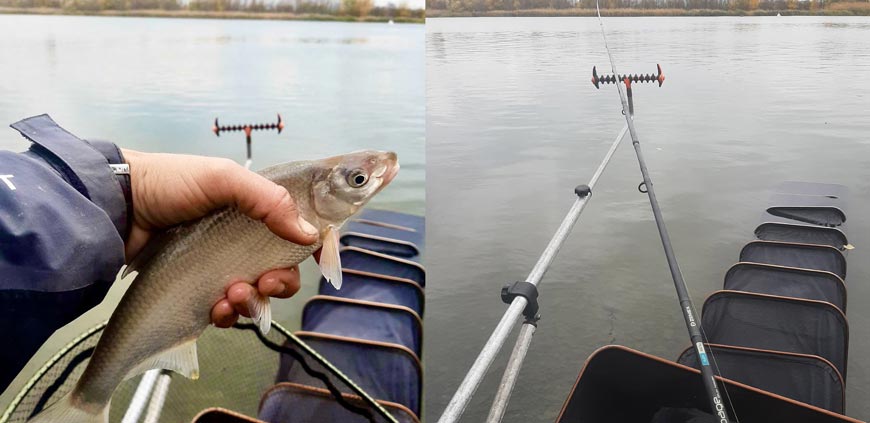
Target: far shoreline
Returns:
[189, 14]
[549, 13]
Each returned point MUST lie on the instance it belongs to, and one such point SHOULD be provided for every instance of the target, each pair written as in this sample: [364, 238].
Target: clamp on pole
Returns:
[528, 291]
[583, 191]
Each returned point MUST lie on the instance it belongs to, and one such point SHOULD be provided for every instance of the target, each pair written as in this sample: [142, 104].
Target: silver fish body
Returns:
[183, 273]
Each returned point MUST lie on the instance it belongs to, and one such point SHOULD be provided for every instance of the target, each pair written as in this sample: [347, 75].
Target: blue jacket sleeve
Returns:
[63, 216]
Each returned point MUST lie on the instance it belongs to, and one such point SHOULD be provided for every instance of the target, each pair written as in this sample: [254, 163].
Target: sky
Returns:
[413, 4]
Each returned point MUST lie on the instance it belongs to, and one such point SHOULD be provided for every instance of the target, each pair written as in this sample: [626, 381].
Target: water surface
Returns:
[513, 124]
[158, 84]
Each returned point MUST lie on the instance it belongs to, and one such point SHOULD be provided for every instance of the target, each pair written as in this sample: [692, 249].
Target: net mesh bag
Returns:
[237, 366]
[806, 378]
[777, 323]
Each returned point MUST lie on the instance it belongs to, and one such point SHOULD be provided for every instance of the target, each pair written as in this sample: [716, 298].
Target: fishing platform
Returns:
[777, 330]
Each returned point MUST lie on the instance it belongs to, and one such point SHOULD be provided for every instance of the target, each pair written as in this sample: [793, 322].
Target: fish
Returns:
[183, 272]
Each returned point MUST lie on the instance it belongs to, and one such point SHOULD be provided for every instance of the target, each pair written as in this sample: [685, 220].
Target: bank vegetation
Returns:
[345, 10]
[446, 8]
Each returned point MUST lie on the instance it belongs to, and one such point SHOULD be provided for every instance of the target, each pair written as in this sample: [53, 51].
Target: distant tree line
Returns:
[747, 5]
[356, 8]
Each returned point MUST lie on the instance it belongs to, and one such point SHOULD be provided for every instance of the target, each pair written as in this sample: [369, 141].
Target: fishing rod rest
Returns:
[248, 127]
[627, 79]
[528, 291]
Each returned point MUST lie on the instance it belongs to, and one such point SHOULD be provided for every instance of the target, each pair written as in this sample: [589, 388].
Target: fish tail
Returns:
[65, 411]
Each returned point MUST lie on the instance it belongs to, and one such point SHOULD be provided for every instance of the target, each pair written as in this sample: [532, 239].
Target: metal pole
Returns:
[247, 128]
[140, 397]
[155, 407]
[509, 379]
[248, 142]
[475, 375]
[496, 413]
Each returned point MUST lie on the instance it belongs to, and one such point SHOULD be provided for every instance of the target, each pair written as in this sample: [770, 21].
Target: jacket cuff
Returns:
[83, 165]
[114, 156]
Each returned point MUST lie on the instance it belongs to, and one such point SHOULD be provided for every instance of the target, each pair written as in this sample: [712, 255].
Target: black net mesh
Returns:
[369, 261]
[805, 256]
[292, 402]
[682, 415]
[777, 323]
[621, 385]
[816, 209]
[378, 288]
[808, 379]
[381, 245]
[365, 320]
[389, 224]
[787, 282]
[386, 371]
[801, 234]
[236, 368]
[823, 216]
[57, 378]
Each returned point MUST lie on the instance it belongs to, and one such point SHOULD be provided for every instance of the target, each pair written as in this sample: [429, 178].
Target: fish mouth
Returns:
[390, 168]
[391, 172]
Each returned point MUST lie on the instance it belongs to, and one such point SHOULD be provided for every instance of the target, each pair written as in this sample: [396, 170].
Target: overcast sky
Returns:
[413, 4]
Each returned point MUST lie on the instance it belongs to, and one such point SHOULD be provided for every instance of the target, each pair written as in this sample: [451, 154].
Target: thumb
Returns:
[266, 201]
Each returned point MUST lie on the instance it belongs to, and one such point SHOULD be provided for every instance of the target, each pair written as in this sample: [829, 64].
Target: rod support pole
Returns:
[155, 407]
[140, 397]
[471, 382]
[511, 373]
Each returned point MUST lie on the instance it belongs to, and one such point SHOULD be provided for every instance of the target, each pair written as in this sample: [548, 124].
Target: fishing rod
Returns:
[522, 297]
[717, 405]
[247, 128]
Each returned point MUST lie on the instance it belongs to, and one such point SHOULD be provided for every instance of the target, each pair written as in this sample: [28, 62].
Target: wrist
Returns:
[123, 174]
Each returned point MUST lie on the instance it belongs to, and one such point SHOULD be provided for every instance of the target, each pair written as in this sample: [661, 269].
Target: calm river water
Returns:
[158, 84]
[513, 124]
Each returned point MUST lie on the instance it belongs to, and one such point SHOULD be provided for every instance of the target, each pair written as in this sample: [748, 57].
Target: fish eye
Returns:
[357, 178]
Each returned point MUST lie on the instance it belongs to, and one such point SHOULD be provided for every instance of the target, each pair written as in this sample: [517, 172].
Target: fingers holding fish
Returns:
[280, 283]
[223, 315]
[263, 200]
[238, 294]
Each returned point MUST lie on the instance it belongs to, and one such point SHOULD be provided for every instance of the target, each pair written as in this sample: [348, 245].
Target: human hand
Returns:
[169, 189]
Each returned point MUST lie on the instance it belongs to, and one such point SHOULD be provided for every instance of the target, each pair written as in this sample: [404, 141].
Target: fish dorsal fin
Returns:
[330, 260]
[261, 311]
[180, 359]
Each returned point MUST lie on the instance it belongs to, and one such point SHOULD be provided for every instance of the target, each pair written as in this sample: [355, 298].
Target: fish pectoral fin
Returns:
[261, 312]
[330, 260]
[180, 359]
